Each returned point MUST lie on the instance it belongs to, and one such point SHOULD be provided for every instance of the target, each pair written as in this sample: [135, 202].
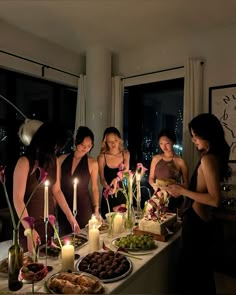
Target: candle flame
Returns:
[46, 183]
[76, 181]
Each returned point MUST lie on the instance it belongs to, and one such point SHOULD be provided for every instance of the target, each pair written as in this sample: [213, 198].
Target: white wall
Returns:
[217, 48]
[26, 45]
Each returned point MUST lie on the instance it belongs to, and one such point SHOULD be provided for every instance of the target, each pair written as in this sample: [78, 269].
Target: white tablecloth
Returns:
[154, 274]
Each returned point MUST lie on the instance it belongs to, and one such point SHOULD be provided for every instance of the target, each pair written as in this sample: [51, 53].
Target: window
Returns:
[157, 105]
[37, 99]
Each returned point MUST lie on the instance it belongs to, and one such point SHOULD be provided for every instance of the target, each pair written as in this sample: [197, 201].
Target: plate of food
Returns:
[74, 283]
[108, 266]
[4, 265]
[135, 243]
[103, 228]
[54, 250]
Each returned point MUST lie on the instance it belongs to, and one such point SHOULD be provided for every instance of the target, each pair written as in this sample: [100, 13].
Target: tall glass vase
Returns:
[129, 218]
[15, 262]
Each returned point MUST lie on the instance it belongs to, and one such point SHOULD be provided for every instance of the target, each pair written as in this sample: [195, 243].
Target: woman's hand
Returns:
[175, 190]
[74, 225]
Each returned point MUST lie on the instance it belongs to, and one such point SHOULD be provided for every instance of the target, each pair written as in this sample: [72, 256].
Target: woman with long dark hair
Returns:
[80, 165]
[196, 273]
[43, 140]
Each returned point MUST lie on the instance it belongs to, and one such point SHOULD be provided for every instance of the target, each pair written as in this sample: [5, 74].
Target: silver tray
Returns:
[47, 283]
[52, 255]
[135, 249]
[117, 278]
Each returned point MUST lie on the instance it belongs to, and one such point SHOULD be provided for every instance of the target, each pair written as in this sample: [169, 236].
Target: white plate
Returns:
[115, 277]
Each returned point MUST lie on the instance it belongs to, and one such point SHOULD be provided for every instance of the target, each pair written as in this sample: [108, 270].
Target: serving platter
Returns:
[135, 243]
[77, 240]
[74, 282]
[4, 265]
[108, 266]
[103, 228]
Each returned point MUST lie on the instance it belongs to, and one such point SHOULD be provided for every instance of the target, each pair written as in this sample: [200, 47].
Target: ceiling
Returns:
[117, 25]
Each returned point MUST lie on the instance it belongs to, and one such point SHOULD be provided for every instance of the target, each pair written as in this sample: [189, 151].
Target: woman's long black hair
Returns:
[208, 127]
[46, 142]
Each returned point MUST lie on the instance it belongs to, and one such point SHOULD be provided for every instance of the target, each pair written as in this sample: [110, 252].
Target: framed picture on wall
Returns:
[222, 103]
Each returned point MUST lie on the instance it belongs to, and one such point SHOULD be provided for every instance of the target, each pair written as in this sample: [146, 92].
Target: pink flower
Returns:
[140, 168]
[52, 219]
[30, 220]
[43, 174]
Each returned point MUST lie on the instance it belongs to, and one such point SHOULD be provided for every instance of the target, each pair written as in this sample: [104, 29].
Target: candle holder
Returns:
[75, 214]
[46, 241]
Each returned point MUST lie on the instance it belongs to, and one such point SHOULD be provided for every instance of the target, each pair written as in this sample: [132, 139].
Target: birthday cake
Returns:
[156, 218]
[158, 226]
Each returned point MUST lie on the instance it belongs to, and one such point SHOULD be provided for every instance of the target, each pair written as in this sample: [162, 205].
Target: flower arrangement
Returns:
[42, 178]
[129, 183]
[52, 221]
[29, 233]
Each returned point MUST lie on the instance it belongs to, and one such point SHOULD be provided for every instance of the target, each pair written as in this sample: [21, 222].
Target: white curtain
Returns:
[81, 106]
[193, 105]
[117, 101]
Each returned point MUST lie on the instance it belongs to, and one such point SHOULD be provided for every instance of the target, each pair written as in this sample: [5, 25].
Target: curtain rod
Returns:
[155, 72]
[149, 73]
[38, 63]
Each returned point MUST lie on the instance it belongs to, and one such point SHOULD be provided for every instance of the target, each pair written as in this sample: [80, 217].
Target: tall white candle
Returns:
[93, 239]
[117, 223]
[45, 215]
[93, 222]
[75, 196]
[67, 256]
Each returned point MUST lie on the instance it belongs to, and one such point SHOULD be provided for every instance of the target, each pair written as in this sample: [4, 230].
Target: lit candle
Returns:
[117, 223]
[75, 196]
[93, 222]
[45, 216]
[67, 256]
[93, 239]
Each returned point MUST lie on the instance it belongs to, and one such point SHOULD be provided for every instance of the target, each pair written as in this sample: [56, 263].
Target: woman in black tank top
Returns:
[111, 158]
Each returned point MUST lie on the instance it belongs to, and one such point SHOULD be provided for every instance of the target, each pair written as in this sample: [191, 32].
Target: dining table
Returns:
[153, 272]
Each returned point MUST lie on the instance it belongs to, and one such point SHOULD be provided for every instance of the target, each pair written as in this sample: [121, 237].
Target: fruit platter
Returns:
[135, 242]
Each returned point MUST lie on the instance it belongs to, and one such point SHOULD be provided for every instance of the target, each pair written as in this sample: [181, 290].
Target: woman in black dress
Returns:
[85, 169]
[112, 157]
[44, 139]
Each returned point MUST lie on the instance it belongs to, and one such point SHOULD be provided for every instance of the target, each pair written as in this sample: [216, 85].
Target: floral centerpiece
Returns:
[127, 182]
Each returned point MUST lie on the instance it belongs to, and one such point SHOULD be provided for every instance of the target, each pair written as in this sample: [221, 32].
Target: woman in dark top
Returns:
[195, 272]
[43, 140]
[168, 165]
[85, 169]
[112, 157]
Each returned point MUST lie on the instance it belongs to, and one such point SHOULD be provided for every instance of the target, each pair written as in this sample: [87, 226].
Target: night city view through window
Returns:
[149, 108]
